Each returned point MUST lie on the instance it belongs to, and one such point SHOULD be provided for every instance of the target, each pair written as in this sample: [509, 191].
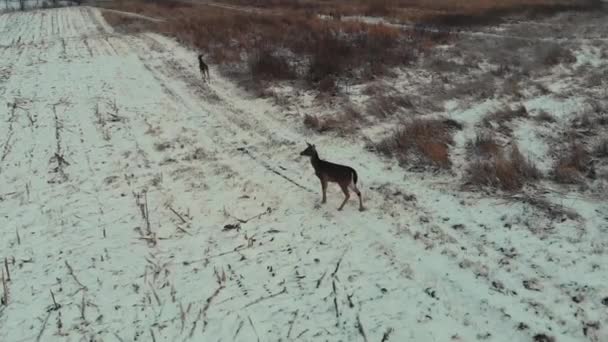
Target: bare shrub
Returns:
[544, 116]
[596, 116]
[512, 86]
[127, 24]
[481, 86]
[441, 64]
[330, 49]
[162, 146]
[264, 65]
[426, 139]
[378, 7]
[551, 54]
[573, 163]
[384, 105]
[501, 118]
[506, 171]
[601, 149]
[595, 77]
[347, 121]
[484, 145]
[585, 120]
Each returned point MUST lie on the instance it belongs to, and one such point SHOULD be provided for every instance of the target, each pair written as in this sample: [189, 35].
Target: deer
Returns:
[203, 68]
[345, 176]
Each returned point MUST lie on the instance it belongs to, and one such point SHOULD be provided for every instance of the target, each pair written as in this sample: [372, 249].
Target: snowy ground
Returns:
[122, 174]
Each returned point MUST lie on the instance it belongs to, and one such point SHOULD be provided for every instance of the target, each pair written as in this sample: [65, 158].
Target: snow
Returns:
[120, 170]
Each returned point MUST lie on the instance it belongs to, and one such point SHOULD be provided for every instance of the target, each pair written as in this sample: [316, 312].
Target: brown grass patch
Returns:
[448, 12]
[479, 87]
[501, 118]
[347, 121]
[127, 24]
[551, 54]
[544, 116]
[288, 45]
[508, 171]
[422, 141]
[265, 65]
[383, 104]
[484, 145]
[572, 165]
[601, 149]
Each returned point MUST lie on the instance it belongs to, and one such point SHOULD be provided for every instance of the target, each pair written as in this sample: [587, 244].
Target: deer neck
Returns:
[315, 160]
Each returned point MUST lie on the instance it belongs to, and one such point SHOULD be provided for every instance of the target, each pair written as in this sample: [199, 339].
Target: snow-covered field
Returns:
[138, 203]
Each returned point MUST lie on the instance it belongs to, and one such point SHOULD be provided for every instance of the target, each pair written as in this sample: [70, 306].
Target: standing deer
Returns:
[203, 67]
[327, 172]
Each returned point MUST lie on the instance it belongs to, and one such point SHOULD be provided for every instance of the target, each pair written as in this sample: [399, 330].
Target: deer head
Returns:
[309, 151]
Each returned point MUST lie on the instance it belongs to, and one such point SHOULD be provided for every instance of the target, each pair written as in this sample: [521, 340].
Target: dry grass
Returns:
[290, 45]
[265, 65]
[384, 104]
[554, 54]
[449, 12]
[502, 118]
[496, 168]
[421, 141]
[573, 164]
[347, 121]
[601, 149]
[127, 24]
[544, 116]
[484, 145]
[478, 87]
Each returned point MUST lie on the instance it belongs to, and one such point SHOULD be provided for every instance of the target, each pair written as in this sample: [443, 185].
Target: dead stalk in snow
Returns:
[155, 295]
[177, 214]
[360, 328]
[254, 329]
[182, 316]
[333, 275]
[118, 337]
[82, 307]
[221, 281]
[18, 237]
[5, 291]
[321, 279]
[147, 214]
[387, 335]
[293, 320]
[333, 285]
[238, 329]
[198, 318]
[266, 297]
[55, 305]
[48, 315]
[71, 273]
[8, 274]
[267, 211]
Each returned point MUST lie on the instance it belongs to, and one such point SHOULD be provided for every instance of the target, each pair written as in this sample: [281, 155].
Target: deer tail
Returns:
[355, 177]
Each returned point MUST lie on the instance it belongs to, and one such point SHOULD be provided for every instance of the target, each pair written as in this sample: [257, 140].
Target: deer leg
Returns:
[346, 195]
[356, 190]
[324, 189]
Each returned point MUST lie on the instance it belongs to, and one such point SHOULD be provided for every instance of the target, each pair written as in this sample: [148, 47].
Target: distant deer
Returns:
[327, 172]
[203, 67]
